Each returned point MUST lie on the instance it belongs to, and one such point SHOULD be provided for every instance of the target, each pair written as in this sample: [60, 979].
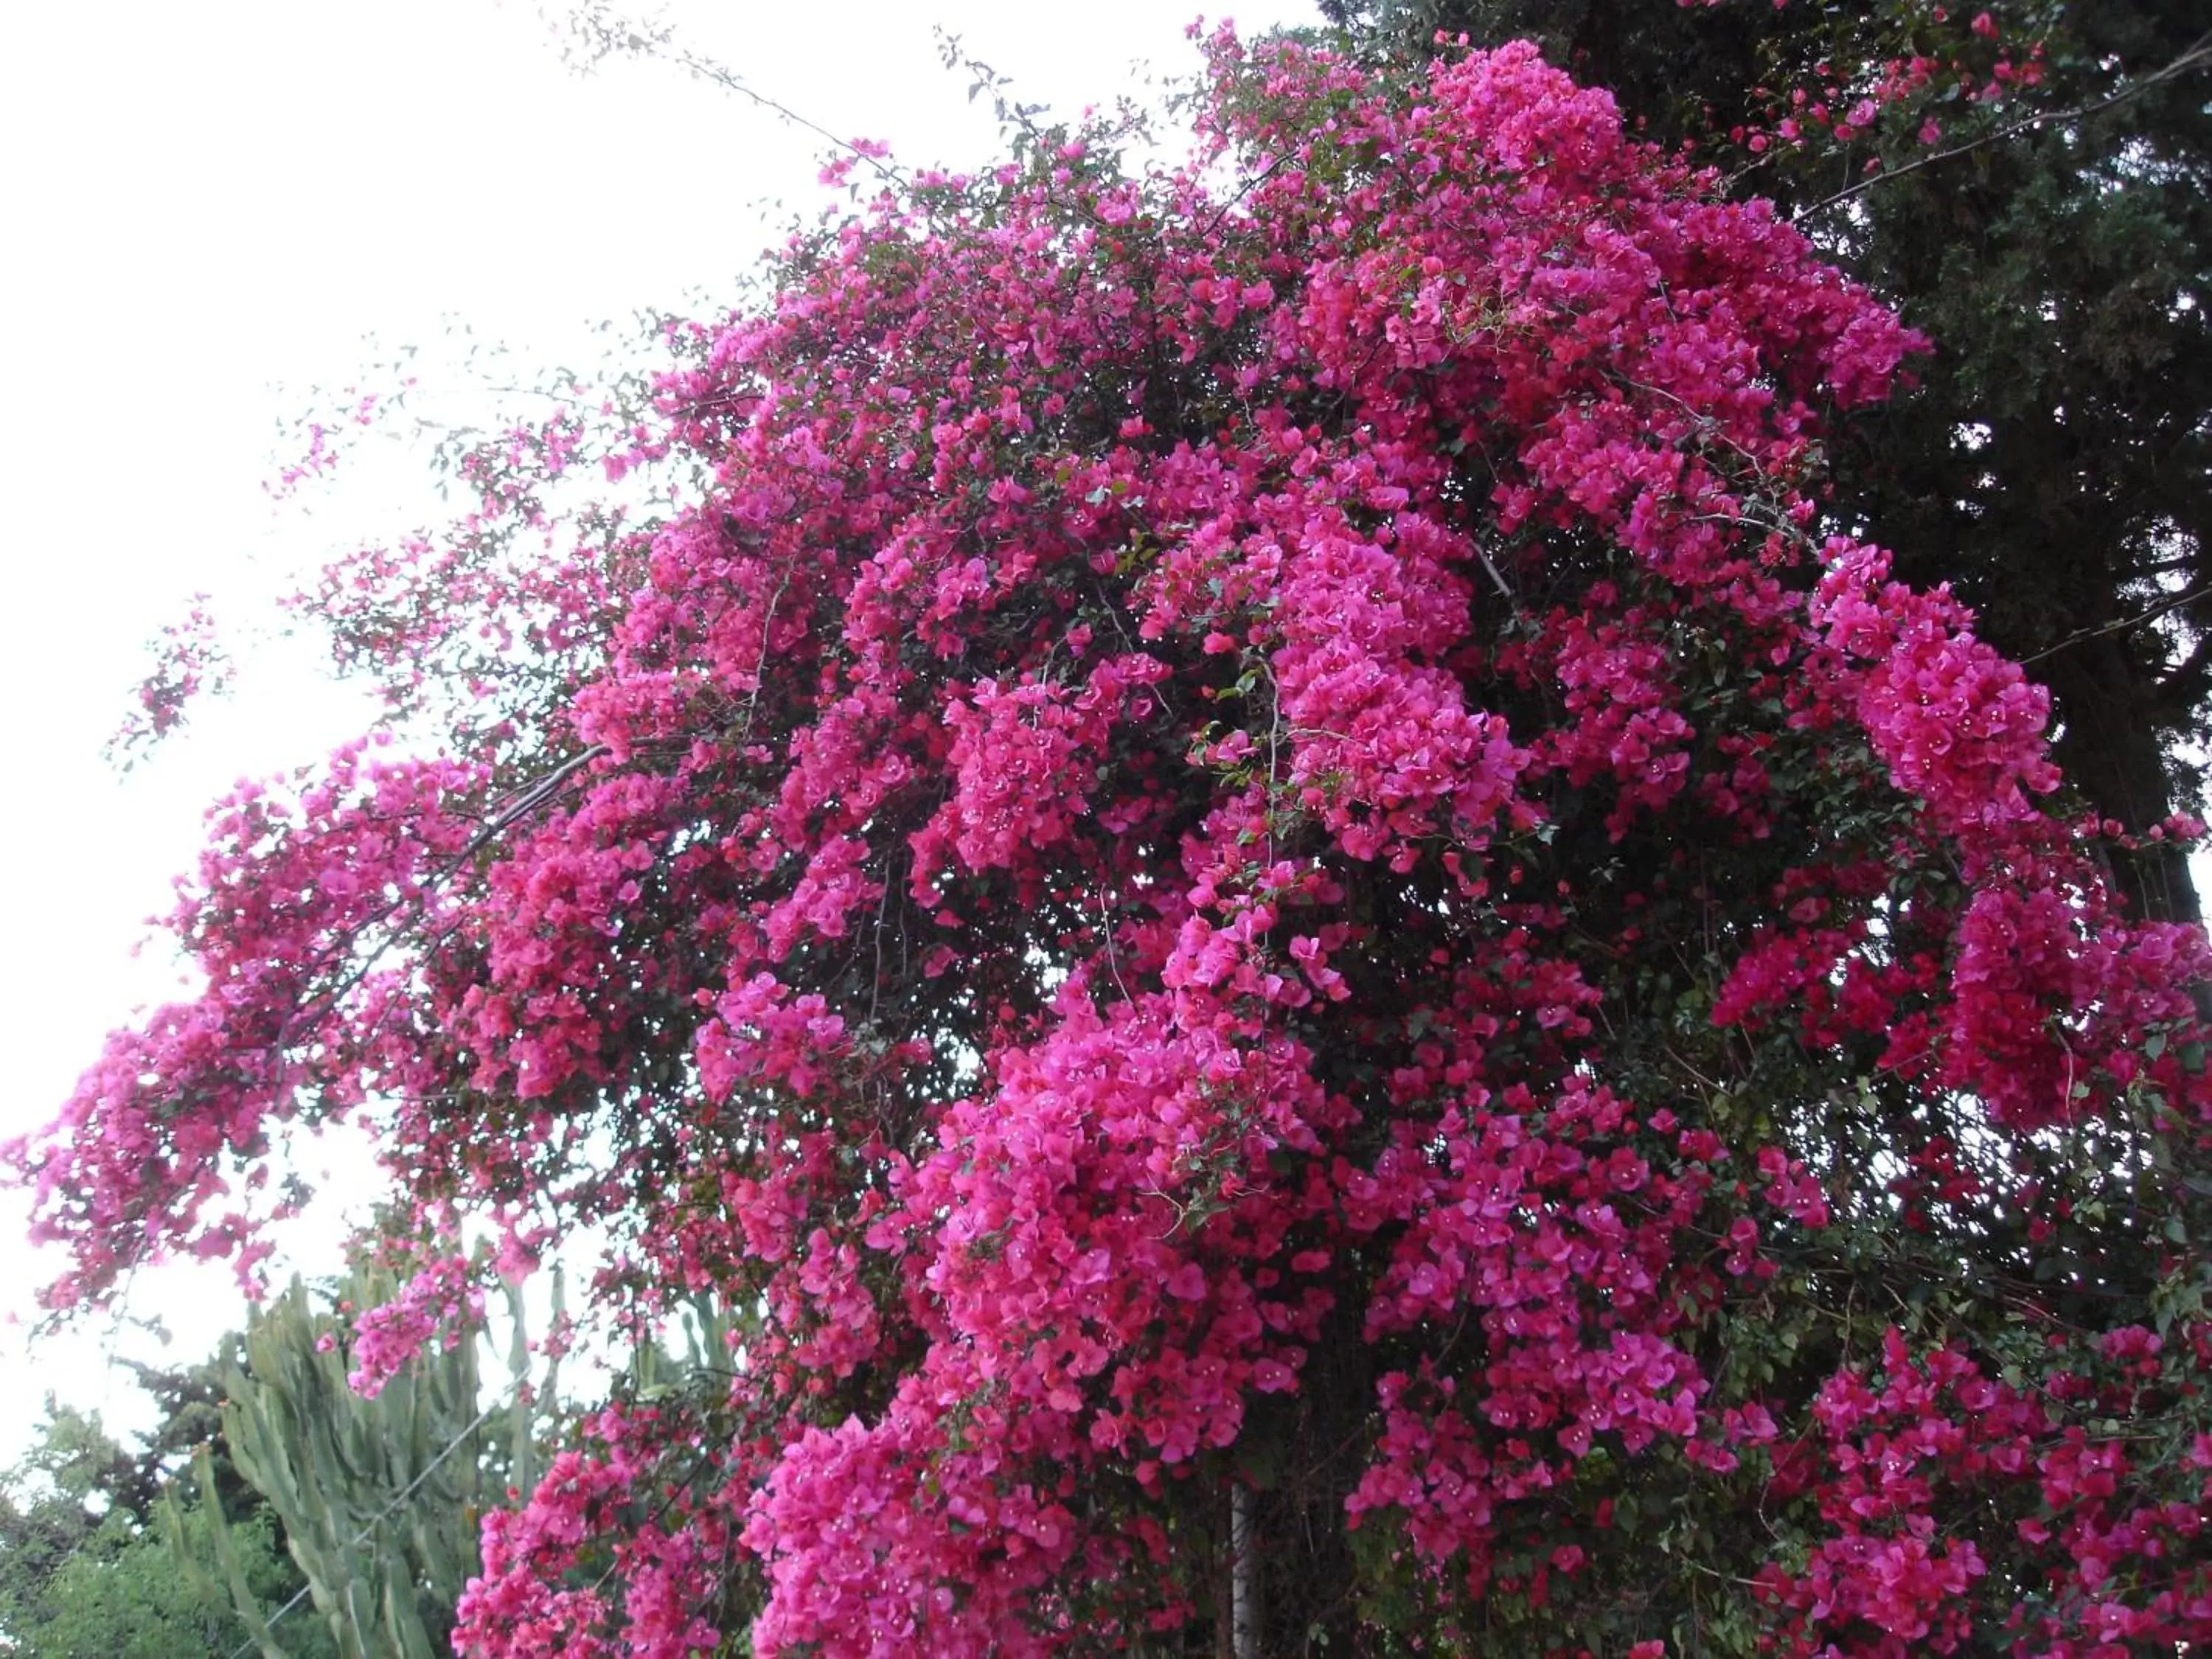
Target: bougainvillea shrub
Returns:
[1313, 951]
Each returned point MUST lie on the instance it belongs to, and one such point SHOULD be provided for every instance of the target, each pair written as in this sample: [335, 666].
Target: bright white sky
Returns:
[201, 205]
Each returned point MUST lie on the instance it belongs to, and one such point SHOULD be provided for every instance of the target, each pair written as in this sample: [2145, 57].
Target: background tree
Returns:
[85, 1566]
[2031, 184]
[1230, 848]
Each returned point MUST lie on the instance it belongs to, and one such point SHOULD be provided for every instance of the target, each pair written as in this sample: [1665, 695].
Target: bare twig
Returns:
[606, 31]
[532, 796]
[1504, 588]
[2124, 625]
[706, 68]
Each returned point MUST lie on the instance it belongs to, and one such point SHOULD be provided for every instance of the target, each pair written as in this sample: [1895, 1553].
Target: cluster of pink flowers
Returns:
[1940, 57]
[1885, 1583]
[529, 1601]
[445, 1295]
[189, 662]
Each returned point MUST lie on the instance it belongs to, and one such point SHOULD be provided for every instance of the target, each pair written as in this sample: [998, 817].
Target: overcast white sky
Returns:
[201, 205]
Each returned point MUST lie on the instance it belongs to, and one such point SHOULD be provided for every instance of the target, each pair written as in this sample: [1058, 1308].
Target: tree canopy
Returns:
[2030, 184]
[1246, 870]
[90, 1563]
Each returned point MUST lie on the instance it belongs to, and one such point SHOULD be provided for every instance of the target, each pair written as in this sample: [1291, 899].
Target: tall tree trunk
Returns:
[2109, 750]
[1244, 1576]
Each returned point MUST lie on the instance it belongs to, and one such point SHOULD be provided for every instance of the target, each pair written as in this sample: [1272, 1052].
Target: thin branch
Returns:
[760, 668]
[532, 796]
[1250, 186]
[2124, 625]
[2197, 57]
[2184, 684]
[606, 31]
[1504, 587]
[706, 68]
[1112, 958]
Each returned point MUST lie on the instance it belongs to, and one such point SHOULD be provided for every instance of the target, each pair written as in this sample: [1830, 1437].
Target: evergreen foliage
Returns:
[95, 1560]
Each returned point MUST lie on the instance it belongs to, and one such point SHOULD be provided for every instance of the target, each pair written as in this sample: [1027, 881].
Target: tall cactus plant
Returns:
[379, 1497]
